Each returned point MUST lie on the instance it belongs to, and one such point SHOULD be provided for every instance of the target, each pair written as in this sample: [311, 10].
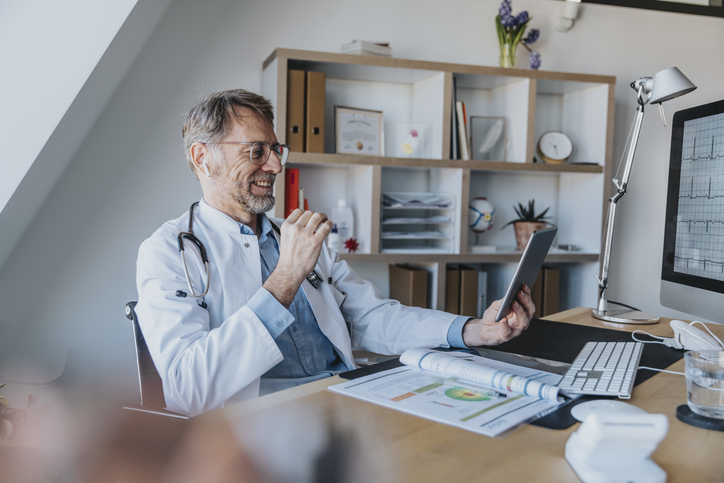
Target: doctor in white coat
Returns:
[262, 325]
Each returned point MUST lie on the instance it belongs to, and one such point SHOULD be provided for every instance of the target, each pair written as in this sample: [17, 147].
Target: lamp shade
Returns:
[669, 83]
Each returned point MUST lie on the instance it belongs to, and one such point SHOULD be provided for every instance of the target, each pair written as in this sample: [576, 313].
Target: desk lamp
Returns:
[665, 85]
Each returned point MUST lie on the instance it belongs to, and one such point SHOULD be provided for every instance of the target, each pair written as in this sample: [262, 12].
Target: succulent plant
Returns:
[528, 214]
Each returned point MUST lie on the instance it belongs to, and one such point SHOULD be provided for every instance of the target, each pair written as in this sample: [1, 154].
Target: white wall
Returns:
[62, 62]
[49, 49]
[68, 279]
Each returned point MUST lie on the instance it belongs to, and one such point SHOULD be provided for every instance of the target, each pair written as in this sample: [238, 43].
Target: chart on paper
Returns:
[700, 220]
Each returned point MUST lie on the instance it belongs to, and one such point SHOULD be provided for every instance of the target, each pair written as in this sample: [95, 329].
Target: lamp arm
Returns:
[605, 259]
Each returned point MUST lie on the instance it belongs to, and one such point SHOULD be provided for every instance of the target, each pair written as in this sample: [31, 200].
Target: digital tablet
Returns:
[528, 267]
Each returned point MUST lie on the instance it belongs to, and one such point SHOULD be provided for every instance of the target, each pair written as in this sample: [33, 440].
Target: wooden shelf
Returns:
[309, 58]
[323, 159]
[502, 257]
[421, 92]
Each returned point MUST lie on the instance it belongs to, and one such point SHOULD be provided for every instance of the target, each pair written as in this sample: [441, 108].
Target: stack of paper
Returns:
[364, 47]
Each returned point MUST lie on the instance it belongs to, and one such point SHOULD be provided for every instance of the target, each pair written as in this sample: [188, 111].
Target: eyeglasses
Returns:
[260, 151]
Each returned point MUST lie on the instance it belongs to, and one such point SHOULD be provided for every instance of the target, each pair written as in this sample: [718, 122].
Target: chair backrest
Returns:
[148, 378]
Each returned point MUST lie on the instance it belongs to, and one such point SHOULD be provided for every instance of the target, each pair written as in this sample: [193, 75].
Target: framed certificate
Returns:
[358, 131]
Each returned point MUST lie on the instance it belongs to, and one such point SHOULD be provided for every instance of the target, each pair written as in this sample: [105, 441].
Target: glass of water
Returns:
[705, 383]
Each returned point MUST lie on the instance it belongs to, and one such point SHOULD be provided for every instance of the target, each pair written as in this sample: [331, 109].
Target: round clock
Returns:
[554, 147]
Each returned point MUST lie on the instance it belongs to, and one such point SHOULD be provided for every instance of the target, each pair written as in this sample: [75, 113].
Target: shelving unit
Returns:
[411, 91]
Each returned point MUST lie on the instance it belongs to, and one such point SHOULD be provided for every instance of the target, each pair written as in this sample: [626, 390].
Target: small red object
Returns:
[351, 245]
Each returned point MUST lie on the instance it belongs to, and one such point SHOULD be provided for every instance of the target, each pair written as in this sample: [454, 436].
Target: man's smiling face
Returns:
[241, 184]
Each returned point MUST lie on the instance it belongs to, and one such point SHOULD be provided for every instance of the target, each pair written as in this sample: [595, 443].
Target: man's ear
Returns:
[201, 158]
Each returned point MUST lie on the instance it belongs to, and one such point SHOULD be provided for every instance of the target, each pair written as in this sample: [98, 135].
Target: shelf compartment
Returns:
[326, 159]
[433, 194]
[580, 110]
[499, 96]
[574, 201]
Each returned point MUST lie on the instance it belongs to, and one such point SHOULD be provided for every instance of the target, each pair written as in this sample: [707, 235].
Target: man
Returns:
[243, 327]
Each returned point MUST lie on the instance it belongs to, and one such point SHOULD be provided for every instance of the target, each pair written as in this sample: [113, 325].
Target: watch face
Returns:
[555, 146]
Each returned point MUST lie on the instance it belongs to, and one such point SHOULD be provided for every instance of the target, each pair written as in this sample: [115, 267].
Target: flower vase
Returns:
[507, 56]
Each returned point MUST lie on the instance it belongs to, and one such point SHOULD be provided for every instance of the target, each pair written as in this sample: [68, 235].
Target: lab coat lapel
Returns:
[329, 318]
[233, 261]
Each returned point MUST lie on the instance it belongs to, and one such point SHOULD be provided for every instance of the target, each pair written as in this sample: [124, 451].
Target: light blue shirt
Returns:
[308, 353]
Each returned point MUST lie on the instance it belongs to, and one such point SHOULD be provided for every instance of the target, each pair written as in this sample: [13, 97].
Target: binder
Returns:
[296, 95]
[291, 191]
[545, 291]
[551, 278]
[314, 142]
[452, 290]
[408, 285]
[468, 291]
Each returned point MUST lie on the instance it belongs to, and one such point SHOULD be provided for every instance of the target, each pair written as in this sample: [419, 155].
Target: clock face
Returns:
[555, 146]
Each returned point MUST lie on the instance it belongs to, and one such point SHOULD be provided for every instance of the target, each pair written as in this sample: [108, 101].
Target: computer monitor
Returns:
[692, 274]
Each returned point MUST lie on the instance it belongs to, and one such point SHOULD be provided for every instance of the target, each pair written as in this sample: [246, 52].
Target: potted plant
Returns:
[527, 222]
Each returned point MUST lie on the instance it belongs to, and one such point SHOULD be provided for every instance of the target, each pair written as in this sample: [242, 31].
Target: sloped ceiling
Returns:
[64, 62]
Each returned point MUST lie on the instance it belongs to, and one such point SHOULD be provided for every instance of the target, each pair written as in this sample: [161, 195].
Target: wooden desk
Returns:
[415, 449]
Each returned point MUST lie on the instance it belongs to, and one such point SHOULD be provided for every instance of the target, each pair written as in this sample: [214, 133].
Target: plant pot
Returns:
[523, 231]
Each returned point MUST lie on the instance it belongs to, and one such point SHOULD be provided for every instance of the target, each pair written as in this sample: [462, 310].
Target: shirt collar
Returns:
[266, 228]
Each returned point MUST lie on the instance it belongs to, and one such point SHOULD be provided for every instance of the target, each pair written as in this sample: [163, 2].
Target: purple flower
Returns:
[521, 18]
[532, 36]
[534, 60]
[506, 9]
[508, 22]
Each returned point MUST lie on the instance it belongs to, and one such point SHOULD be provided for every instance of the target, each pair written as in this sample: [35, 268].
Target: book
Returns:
[454, 134]
[462, 131]
[460, 389]
[366, 47]
[291, 191]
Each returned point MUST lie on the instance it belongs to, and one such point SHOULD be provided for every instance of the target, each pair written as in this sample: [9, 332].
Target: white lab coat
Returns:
[208, 358]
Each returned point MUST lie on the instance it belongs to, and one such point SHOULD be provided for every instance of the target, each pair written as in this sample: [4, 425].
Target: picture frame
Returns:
[358, 131]
[488, 138]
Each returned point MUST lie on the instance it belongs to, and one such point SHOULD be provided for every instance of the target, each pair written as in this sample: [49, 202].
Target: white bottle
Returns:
[333, 239]
[344, 219]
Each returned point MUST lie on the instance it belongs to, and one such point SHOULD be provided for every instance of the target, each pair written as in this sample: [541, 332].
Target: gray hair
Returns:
[210, 119]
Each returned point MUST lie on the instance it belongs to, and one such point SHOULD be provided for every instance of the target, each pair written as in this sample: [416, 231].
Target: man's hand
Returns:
[487, 331]
[302, 235]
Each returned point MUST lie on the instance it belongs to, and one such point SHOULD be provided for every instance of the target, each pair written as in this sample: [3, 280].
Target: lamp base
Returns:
[625, 316]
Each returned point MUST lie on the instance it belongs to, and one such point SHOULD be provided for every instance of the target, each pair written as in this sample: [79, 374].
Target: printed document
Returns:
[468, 391]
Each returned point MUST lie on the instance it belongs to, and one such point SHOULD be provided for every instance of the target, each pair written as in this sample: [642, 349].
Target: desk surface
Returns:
[415, 449]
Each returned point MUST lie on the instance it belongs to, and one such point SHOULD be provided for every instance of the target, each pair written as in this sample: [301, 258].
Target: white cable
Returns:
[661, 370]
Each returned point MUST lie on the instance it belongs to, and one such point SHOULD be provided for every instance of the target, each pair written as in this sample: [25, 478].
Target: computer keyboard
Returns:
[604, 369]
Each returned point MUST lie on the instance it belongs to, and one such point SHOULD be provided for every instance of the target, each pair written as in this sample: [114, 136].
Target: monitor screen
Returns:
[692, 275]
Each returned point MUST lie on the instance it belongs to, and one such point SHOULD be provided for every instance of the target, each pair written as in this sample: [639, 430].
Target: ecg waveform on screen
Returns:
[699, 247]
[698, 156]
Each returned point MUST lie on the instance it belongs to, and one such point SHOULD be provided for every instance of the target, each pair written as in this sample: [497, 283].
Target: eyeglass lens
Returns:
[261, 151]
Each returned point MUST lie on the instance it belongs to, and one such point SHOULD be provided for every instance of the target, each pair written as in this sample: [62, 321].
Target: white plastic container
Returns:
[344, 219]
[333, 239]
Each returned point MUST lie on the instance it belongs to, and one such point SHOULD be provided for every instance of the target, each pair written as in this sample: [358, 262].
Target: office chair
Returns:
[152, 399]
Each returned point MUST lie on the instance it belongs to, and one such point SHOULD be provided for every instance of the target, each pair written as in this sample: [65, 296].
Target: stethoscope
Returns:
[313, 277]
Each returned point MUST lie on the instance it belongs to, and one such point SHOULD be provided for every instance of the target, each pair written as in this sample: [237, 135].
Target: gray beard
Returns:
[255, 204]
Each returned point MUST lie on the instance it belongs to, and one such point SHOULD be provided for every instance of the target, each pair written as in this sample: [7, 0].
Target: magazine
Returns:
[468, 391]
